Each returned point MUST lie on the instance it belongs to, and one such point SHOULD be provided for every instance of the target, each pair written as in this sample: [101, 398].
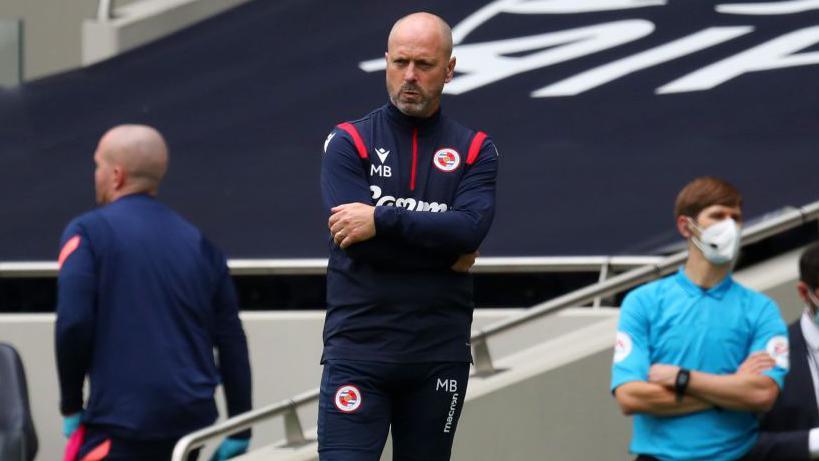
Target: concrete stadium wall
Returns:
[55, 32]
[564, 415]
[11, 62]
[285, 348]
[143, 22]
[52, 35]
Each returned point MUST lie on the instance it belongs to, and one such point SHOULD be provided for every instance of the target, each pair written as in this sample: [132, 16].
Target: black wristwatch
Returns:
[681, 383]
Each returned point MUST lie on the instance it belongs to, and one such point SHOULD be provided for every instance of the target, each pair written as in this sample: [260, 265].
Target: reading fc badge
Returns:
[447, 159]
[348, 398]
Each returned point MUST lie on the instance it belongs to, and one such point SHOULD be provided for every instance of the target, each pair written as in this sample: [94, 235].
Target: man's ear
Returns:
[120, 176]
[450, 70]
[802, 289]
[684, 227]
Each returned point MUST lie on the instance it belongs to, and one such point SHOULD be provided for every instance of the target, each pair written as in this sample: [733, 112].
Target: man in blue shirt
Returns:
[698, 355]
[410, 195]
[143, 300]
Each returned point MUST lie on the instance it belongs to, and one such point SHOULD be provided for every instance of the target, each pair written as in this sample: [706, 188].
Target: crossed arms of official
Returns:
[746, 390]
[398, 237]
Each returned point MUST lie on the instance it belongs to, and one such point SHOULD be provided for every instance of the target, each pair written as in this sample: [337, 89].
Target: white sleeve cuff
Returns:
[813, 443]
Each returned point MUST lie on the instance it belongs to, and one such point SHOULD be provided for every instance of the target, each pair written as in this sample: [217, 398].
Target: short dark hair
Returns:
[809, 266]
[703, 192]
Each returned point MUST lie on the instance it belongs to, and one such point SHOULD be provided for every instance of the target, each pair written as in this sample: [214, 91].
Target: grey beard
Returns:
[411, 109]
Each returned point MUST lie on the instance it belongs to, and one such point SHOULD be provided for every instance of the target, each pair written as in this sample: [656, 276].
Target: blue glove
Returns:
[71, 423]
[230, 448]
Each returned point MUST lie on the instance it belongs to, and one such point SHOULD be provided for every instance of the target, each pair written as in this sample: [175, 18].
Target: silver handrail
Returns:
[789, 219]
[294, 435]
[318, 266]
[105, 10]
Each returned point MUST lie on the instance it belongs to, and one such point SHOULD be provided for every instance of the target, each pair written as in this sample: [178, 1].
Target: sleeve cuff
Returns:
[777, 375]
[813, 443]
[70, 407]
[615, 383]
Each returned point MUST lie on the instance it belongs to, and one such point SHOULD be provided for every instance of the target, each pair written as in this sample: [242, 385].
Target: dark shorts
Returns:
[360, 401]
[99, 445]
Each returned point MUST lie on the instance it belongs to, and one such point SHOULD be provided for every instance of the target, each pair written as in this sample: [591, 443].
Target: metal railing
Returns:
[294, 434]
[12, 52]
[105, 10]
[318, 266]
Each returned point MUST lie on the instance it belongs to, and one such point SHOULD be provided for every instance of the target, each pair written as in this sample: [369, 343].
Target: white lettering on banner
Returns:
[769, 8]
[476, 19]
[774, 54]
[485, 63]
[482, 64]
[450, 418]
[593, 78]
[408, 203]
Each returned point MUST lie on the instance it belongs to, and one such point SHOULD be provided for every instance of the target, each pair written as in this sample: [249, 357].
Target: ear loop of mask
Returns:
[696, 238]
[814, 310]
[692, 226]
[813, 299]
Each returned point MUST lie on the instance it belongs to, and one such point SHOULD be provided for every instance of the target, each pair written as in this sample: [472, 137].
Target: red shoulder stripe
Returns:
[475, 147]
[359, 143]
[70, 246]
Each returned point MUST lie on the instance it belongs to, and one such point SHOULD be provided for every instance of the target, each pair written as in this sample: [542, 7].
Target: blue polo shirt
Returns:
[675, 322]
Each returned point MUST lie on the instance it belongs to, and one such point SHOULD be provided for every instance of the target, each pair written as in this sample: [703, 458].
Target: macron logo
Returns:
[382, 154]
[327, 141]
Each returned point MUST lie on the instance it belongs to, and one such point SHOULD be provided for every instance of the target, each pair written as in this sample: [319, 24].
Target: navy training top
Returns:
[143, 299]
[394, 298]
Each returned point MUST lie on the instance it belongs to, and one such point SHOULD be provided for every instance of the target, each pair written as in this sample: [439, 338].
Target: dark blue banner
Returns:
[601, 109]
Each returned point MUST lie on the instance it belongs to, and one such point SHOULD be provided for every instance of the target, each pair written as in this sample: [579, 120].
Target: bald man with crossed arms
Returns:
[410, 196]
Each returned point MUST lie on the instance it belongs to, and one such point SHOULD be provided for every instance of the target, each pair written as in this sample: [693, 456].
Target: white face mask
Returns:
[815, 307]
[719, 243]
